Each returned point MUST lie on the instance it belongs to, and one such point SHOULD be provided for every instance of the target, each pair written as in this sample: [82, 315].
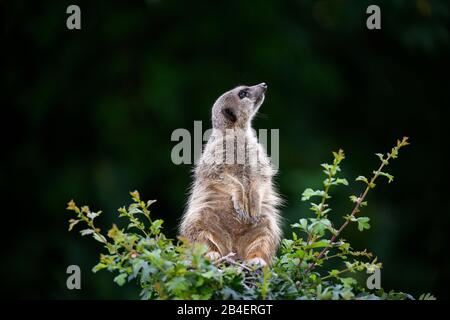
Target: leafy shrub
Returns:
[175, 269]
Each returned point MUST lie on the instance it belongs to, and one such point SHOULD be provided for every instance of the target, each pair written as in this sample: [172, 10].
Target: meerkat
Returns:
[233, 205]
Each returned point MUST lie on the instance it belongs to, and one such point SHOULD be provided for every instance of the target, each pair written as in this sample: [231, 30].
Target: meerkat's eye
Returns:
[243, 94]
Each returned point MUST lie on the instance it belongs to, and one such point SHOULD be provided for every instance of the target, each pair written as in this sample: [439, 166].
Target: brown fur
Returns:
[233, 206]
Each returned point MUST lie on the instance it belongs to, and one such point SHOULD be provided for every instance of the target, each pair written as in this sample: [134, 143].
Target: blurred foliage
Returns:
[92, 111]
[168, 269]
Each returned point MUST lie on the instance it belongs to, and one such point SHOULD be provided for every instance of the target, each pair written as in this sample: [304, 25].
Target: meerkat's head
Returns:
[236, 108]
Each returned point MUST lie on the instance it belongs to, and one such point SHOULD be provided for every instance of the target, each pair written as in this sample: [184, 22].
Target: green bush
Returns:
[175, 269]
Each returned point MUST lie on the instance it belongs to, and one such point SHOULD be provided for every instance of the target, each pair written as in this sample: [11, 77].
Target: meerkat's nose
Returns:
[263, 85]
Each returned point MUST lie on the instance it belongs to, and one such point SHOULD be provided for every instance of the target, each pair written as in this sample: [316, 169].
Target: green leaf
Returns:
[342, 181]
[99, 266]
[122, 212]
[385, 174]
[349, 265]
[355, 199]
[135, 196]
[93, 215]
[85, 232]
[99, 238]
[156, 226]
[208, 274]
[72, 223]
[348, 282]
[363, 223]
[72, 206]
[347, 294]
[333, 273]
[177, 285]
[287, 244]
[134, 210]
[302, 225]
[318, 226]
[318, 244]
[338, 156]
[380, 155]
[150, 202]
[394, 153]
[120, 279]
[308, 193]
[327, 167]
[362, 178]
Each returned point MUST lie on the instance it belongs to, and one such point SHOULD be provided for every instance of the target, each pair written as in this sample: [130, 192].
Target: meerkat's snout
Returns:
[253, 92]
[260, 90]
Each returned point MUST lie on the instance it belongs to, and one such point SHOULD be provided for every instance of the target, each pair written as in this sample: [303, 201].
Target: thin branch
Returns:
[338, 273]
[345, 224]
[228, 258]
[231, 254]
[392, 154]
[231, 261]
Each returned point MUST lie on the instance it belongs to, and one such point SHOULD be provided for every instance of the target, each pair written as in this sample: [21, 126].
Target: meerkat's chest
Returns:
[235, 158]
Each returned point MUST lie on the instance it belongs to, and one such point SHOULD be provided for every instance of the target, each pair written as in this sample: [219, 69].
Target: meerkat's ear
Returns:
[229, 114]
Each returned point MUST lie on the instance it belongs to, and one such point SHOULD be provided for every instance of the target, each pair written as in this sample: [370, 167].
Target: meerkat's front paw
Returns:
[212, 255]
[255, 218]
[257, 262]
[241, 213]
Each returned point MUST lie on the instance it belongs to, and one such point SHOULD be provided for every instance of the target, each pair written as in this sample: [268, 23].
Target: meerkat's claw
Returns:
[241, 214]
[257, 262]
[212, 255]
[255, 219]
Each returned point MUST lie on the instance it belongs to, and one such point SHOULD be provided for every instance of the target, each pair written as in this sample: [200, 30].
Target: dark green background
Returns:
[88, 115]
